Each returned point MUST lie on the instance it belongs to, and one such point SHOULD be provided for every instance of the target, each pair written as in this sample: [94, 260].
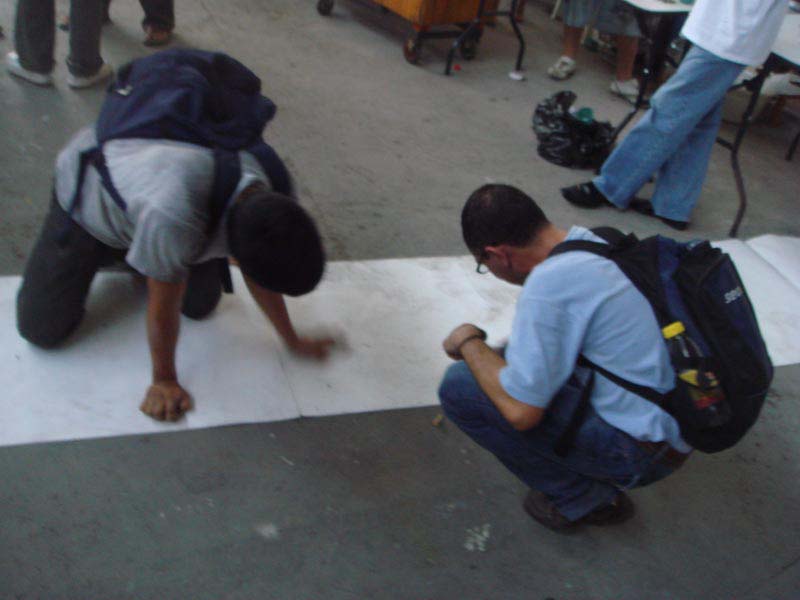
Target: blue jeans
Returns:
[674, 138]
[602, 461]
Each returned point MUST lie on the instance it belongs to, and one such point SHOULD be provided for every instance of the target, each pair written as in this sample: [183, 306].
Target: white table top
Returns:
[661, 6]
[787, 46]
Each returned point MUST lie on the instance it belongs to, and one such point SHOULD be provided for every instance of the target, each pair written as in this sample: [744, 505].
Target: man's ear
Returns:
[493, 251]
[501, 253]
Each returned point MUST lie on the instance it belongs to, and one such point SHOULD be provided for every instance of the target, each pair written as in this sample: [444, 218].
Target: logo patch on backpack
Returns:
[734, 294]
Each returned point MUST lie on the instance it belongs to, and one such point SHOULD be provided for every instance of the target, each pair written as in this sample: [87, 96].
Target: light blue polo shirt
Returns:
[580, 303]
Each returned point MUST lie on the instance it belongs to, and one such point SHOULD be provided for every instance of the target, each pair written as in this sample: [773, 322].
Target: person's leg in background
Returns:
[158, 22]
[86, 66]
[618, 18]
[56, 281]
[676, 109]
[680, 179]
[63, 23]
[577, 15]
[34, 41]
[687, 100]
[625, 84]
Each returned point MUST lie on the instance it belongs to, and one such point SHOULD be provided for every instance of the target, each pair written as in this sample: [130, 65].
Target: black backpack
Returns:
[204, 98]
[724, 370]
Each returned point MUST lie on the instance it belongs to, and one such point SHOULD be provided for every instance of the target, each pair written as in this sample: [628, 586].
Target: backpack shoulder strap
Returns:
[273, 166]
[614, 239]
[645, 392]
[227, 172]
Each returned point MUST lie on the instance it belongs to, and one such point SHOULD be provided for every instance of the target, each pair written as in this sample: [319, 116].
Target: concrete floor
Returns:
[380, 505]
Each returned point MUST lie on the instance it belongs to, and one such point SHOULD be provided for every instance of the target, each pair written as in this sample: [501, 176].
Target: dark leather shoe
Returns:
[585, 195]
[679, 225]
[618, 511]
[644, 207]
[542, 509]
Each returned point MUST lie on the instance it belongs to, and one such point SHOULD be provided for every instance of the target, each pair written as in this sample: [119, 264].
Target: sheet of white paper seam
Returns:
[782, 252]
[394, 314]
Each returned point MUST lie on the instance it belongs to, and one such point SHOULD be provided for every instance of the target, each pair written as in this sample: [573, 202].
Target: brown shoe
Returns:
[618, 511]
[154, 36]
[542, 509]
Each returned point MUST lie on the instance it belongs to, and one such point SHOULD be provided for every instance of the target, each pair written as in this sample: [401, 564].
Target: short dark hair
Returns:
[275, 242]
[500, 214]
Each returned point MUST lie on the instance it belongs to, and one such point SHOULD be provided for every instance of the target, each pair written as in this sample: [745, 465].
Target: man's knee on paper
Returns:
[43, 330]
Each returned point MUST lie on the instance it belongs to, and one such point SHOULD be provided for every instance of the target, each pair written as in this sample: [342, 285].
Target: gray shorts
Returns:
[614, 17]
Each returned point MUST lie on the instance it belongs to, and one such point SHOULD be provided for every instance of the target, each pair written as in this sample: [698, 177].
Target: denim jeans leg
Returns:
[34, 34]
[528, 455]
[85, 24]
[681, 178]
[676, 109]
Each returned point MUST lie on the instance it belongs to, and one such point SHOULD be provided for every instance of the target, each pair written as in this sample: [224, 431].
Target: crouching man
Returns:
[163, 233]
[518, 403]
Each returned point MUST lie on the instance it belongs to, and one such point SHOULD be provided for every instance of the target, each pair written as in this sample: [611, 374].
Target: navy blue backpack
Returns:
[695, 288]
[194, 96]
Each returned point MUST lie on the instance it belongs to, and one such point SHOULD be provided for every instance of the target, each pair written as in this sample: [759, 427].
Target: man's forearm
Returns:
[485, 365]
[274, 308]
[163, 326]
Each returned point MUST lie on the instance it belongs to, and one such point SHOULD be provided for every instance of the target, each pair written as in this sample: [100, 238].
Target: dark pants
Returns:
[602, 461]
[34, 36]
[159, 14]
[51, 301]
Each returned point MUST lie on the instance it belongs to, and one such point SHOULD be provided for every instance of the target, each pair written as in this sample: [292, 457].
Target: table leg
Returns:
[513, 18]
[656, 56]
[755, 86]
[464, 35]
[477, 22]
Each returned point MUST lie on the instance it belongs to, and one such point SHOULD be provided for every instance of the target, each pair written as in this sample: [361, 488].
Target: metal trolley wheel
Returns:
[324, 7]
[411, 49]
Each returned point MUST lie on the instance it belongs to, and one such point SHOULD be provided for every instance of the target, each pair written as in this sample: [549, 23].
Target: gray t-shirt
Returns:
[166, 186]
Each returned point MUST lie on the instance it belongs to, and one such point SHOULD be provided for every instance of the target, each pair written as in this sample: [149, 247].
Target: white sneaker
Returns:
[13, 66]
[104, 72]
[626, 89]
[563, 69]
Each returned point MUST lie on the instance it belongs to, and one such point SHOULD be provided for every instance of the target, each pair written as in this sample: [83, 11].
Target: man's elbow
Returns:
[526, 418]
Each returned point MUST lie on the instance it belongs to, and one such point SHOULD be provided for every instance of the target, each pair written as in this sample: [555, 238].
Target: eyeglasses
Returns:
[481, 268]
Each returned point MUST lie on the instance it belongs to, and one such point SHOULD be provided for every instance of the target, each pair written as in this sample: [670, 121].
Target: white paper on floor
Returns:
[782, 252]
[92, 386]
[393, 314]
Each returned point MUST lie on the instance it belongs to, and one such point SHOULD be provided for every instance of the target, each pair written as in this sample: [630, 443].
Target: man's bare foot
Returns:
[166, 401]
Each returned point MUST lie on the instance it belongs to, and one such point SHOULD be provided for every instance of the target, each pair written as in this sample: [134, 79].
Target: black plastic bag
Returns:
[566, 140]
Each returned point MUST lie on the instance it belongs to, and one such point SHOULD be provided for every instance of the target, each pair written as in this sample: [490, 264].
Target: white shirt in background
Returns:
[741, 31]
